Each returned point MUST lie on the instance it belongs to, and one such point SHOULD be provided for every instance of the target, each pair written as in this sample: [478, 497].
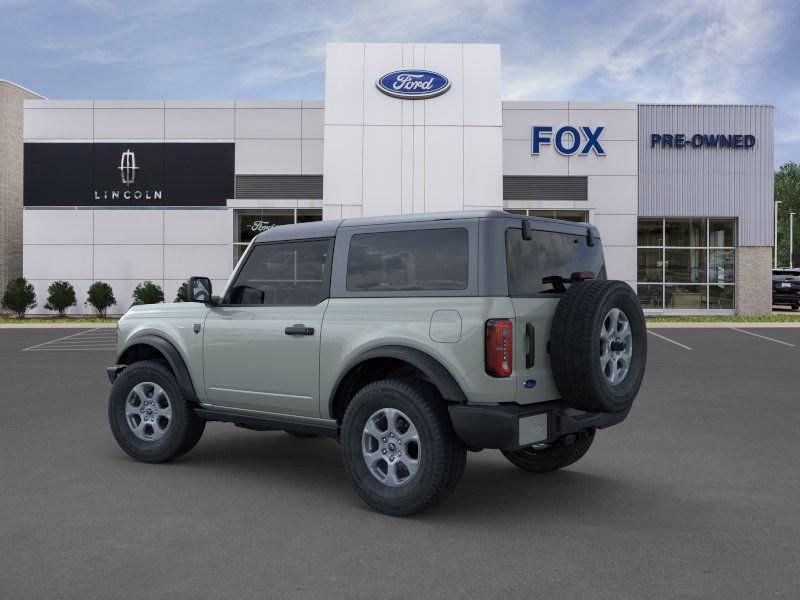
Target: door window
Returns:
[408, 261]
[284, 274]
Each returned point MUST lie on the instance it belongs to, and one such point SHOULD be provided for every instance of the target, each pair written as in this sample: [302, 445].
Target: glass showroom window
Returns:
[580, 216]
[686, 264]
[249, 223]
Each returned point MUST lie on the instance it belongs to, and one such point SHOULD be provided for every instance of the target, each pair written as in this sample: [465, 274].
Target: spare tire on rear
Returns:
[598, 346]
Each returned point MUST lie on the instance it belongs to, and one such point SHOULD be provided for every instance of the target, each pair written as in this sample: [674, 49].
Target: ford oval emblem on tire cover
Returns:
[413, 84]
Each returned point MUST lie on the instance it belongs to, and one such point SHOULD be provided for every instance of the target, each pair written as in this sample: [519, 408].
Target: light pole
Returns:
[777, 202]
[791, 237]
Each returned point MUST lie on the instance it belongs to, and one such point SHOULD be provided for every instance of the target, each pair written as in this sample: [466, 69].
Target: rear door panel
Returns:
[538, 314]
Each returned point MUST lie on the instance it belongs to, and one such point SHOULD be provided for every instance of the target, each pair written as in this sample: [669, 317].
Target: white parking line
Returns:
[666, 339]
[91, 339]
[70, 349]
[763, 337]
[58, 340]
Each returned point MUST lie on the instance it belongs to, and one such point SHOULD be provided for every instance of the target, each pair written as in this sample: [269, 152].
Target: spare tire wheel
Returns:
[598, 346]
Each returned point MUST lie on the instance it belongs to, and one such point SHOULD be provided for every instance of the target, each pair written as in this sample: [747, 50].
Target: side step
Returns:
[258, 422]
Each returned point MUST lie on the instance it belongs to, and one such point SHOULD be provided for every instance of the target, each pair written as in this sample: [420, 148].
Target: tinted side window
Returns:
[544, 264]
[290, 273]
[399, 261]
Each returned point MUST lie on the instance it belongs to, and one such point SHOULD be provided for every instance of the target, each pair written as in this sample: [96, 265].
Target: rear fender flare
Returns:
[438, 375]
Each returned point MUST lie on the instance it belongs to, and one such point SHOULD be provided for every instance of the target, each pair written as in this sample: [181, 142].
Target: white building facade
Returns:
[124, 192]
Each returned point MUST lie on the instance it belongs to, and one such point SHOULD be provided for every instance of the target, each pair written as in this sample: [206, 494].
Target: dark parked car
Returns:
[786, 287]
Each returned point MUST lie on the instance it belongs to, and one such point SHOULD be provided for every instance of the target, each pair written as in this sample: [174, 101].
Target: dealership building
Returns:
[127, 191]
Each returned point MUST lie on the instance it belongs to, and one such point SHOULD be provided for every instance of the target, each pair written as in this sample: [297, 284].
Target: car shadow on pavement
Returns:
[491, 489]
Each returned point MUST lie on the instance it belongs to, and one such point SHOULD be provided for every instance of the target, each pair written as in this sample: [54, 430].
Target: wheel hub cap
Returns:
[391, 447]
[148, 411]
[616, 346]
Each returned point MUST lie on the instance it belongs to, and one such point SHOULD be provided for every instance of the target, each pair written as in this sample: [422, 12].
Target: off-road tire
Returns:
[556, 456]
[442, 455]
[185, 427]
[575, 344]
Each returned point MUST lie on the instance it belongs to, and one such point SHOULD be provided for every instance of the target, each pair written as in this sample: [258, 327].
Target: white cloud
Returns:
[679, 50]
[665, 50]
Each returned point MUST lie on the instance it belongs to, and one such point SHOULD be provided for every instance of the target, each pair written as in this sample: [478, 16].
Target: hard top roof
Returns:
[321, 229]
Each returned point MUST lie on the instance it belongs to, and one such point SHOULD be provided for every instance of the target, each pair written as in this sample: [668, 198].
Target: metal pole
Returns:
[777, 202]
[791, 237]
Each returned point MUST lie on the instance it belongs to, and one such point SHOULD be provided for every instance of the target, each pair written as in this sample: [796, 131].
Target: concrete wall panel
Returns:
[128, 226]
[57, 227]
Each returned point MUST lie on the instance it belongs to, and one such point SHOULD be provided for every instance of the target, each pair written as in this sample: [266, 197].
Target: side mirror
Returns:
[200, 290]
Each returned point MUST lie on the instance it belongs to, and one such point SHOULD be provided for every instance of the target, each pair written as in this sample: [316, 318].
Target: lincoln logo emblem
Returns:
[127, 167]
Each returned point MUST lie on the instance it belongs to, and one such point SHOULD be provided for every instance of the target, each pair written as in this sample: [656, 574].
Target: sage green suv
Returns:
[409, 339]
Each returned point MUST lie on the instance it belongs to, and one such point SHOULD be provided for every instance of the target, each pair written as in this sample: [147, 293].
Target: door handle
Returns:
[530, 337]
[299, 329]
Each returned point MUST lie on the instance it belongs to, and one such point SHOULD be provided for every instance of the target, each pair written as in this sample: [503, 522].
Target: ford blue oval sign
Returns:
[413, 84]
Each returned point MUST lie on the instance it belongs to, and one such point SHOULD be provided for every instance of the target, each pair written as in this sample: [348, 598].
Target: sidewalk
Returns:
[63, 324]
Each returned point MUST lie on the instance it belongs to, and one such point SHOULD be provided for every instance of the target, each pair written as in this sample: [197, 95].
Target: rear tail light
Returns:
[499, 352]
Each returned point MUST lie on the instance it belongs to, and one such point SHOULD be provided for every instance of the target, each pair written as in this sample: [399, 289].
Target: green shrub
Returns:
[100, 297]
[19, 296]
[60, 296]
[183, 293]
[148, 292]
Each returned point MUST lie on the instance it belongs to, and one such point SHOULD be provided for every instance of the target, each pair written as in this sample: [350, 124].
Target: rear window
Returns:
[398, 261]
[784, 274]
[544, 264]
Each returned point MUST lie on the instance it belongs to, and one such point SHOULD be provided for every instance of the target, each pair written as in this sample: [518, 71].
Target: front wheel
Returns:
[556, 456]
[149, 417]
[398, 447]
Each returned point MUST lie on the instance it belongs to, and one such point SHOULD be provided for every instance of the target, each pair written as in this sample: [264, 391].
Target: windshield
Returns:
[550, 262]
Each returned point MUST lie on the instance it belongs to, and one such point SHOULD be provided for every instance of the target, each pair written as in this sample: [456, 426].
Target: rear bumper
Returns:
[510, 426]
[785, 297]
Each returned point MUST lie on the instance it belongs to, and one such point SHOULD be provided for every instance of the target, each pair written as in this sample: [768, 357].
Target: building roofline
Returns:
[636, 103]
[22, 87]
[705, 104]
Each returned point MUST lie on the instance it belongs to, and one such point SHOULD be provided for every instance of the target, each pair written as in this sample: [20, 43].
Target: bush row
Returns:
[20, 296]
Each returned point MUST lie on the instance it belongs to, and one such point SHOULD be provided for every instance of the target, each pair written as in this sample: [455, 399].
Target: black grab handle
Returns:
[531, 340]
[299, 329]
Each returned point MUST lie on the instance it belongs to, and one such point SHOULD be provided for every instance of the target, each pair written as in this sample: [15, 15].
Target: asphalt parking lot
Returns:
[695, 495]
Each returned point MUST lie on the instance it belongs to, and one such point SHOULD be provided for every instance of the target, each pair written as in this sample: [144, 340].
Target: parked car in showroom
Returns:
[786, 288]
[409, 339]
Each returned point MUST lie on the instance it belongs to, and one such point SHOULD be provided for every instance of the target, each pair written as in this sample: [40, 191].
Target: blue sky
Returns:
[667, 50]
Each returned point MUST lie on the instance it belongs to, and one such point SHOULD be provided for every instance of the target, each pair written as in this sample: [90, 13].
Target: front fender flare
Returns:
[173, 358]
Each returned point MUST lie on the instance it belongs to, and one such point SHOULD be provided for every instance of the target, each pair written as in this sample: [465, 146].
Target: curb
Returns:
[726, 325]
[58, 325]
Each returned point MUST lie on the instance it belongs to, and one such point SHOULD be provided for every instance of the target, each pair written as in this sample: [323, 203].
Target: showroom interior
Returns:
[129, 190]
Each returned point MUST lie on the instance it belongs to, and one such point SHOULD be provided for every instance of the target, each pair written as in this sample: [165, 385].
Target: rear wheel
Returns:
[149, 417]
[555, 456]
[398, 447]
[795, 306]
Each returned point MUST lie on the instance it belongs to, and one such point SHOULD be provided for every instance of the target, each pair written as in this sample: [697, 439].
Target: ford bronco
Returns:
[411, 340]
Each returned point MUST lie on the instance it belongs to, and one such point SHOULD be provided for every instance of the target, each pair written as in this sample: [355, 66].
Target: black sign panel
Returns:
[128, 174]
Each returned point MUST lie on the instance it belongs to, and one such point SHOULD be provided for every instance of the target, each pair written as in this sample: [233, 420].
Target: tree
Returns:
[100, 297]
[19, 296]
[148, 292]
[787, 191]
[60, 296]
[183, 293]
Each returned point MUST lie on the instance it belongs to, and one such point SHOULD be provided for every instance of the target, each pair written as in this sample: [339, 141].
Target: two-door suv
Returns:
[409, 339]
